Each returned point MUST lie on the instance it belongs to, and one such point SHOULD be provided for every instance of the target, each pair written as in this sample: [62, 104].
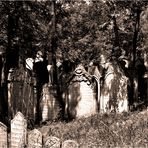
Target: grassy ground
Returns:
[120, 131]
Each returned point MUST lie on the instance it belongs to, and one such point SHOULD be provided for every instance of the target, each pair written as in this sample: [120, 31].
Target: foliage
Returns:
[125, 130]
[83, 31]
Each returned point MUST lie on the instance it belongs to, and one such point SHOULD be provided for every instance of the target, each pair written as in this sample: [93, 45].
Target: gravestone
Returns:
[34, 139]
[18, 131]
[82, 94]
[20, 93]
[52, 142]
[3, 136]
[49, 104]
[70, 144]
[114, 94]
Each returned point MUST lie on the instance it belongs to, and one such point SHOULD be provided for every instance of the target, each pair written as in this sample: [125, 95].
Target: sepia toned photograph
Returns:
[73, 74]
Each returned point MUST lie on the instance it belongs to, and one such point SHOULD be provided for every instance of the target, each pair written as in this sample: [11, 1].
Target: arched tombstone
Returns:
[34, 139]
[81, 95]
[52, 142]
[18, 131]
[70, 144]
[114, 94]
[3, 136]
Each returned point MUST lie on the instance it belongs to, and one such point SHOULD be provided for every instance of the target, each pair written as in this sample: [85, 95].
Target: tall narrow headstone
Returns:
[52, 142]
[18, 131]
[3, 136]
[49, 104]
[34, 139]
[70, 144]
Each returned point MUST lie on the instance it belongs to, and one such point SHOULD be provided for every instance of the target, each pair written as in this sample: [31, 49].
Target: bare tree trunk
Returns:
[54, 49]
[134, 80]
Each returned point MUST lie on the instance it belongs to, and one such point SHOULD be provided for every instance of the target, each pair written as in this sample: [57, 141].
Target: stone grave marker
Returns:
[49, 104]
[70, 144]
[34, 139]
[82, 94]
[52, 142]
[114, 93]
[3, 136]
[18, 131]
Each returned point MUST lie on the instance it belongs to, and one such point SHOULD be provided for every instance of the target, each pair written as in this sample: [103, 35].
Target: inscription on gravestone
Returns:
[82, 94]
[52, 142]
[70, 144]
[3, 136]
[49, 104]
[18, 131]
[35, 139]
[87, 105]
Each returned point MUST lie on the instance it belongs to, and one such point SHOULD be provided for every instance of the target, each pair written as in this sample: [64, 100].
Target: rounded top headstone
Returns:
[52, 142]
[70, 144]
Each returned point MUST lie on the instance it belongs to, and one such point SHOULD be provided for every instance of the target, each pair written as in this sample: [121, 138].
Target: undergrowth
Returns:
[101, 131]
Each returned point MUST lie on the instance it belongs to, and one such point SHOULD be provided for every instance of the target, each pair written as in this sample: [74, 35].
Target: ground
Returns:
[124, 130]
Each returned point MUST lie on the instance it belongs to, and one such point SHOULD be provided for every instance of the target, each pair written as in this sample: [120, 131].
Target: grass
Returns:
[100, 131]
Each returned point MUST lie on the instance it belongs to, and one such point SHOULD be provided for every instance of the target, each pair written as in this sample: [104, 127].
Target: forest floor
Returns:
[101, 131]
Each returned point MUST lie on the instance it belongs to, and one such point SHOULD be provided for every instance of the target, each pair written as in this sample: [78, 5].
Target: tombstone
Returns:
[18, 131]
[3, 136]
[49, 104]
[114, 95]
[20, 93]
[34, 139]
[70, 144]
[81, 95]
[52, 142]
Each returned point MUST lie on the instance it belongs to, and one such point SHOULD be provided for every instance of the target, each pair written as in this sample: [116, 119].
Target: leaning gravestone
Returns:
[34, 139]
[70, 144]
[3, 136]
[18, 131]
[52, 142]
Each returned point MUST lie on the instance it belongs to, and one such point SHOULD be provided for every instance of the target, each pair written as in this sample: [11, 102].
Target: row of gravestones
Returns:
[19, 138]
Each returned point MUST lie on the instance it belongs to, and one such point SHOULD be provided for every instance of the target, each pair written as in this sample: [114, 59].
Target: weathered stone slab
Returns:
[82, 95]
[87, 105]
[114, 91]
[49, 104]
[70, 144]
[52, 142]
[35, 139]
[3, 136]
[18, 131]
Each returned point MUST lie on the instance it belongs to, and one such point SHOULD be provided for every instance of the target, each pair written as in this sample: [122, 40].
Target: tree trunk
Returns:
[54, 49]
[134, 73]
